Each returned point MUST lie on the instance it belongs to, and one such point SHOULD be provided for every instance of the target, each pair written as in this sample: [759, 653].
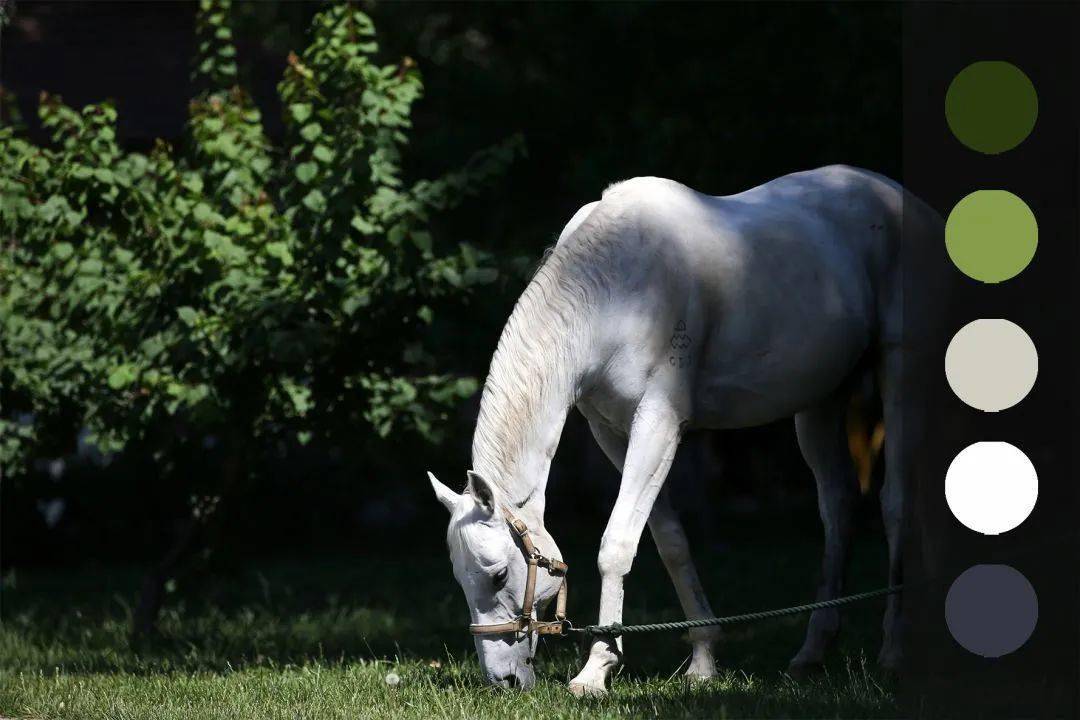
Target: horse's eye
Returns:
[499, 580]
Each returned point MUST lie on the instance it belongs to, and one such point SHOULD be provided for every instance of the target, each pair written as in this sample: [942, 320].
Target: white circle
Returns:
[991, 487]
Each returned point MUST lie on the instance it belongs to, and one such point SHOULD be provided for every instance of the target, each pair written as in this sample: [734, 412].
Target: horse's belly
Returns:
[764, 384]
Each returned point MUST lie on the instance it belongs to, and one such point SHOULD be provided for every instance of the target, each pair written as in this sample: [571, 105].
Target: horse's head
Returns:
[491, 567]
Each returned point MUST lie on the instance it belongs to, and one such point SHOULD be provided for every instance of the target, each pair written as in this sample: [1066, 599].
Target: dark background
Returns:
[718, 96]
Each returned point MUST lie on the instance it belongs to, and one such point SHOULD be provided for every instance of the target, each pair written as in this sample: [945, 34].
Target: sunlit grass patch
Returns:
[360, 689]
[373, 638]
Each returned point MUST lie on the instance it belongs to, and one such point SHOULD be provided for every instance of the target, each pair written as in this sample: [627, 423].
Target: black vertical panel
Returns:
[1041, 679]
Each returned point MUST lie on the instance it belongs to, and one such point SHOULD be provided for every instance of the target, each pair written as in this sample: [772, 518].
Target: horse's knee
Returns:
[616, 557]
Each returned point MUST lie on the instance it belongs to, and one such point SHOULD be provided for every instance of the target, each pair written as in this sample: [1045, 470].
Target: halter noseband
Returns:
[524, 623]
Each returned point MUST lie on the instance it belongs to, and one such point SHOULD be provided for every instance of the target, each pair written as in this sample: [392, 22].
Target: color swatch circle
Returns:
[991, 610]
[991, 106]
[991, 235]
[991, 364]
[991, 487]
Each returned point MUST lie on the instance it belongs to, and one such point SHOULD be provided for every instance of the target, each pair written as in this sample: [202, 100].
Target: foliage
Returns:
[235, 287]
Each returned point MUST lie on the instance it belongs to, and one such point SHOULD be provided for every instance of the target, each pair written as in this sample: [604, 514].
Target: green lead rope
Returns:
[620, 629]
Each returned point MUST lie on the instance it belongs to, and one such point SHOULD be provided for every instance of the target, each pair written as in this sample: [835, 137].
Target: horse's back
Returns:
[838, 208]
[759, 303]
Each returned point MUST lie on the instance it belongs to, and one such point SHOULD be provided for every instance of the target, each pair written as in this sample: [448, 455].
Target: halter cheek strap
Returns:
[524, 622]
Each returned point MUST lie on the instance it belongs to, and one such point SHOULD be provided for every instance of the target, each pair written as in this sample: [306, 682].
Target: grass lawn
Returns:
[381, 637]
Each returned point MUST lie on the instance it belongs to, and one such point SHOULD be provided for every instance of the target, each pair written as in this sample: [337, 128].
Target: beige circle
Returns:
[991, 364]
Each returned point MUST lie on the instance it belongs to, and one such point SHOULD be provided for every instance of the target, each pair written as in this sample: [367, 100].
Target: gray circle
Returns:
[991, 364]
[991, 610]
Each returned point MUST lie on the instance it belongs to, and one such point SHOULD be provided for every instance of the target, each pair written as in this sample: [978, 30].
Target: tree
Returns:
[234, 289]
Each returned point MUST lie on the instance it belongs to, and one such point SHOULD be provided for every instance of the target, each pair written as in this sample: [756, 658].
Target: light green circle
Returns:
[991, 235]
[991, 106]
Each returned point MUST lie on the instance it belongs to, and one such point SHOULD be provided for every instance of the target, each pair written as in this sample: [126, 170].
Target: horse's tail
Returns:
[865, 429]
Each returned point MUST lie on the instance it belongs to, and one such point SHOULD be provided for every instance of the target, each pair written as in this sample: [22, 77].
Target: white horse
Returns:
[663, 309]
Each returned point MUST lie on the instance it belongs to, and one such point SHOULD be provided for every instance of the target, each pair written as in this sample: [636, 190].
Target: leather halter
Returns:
[524, 622]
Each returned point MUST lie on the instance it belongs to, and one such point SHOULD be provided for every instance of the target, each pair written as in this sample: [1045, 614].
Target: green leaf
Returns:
[396, 235]
[311, 131]
[202, 213]
[422, 240]
[322, 154]
[53, 207]
[193, 182]
[315, 201]
[362, 225]
[299, 396]
[187, 315]
[300, 112]
[121, 377]
[91, 266]
[354, 303]
[280, 251]
[305, 172]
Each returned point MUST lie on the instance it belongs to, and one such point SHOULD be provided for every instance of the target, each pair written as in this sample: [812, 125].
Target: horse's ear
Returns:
[482, 492]
[446, 496]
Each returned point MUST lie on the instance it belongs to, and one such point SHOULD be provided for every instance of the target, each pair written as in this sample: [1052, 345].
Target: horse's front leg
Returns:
[671, 543]
[654, 437]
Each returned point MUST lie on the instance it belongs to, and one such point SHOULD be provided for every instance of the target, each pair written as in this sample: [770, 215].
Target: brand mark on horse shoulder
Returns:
[680, 342]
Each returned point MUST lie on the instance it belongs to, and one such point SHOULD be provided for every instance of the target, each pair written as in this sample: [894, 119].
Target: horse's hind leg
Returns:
[671, 543]
[674, 550]
[892, 508]
[823, 441]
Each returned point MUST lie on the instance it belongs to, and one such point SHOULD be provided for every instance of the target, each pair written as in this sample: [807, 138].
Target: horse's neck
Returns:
[529, 390]
[537, 371]
[517, 456]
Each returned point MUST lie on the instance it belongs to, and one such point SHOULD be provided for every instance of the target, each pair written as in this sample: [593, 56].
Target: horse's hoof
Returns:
[701, 671]
[697, 678]
[587, 689]
[801, 670]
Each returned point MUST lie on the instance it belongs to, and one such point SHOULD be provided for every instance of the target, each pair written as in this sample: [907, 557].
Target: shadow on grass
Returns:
[850, 689]
[409, 611]
[285, 613]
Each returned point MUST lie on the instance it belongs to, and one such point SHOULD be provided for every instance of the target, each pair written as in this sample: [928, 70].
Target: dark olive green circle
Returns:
[991, 106]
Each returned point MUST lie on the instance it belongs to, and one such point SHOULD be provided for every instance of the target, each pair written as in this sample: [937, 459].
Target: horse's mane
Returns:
[535, 360]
